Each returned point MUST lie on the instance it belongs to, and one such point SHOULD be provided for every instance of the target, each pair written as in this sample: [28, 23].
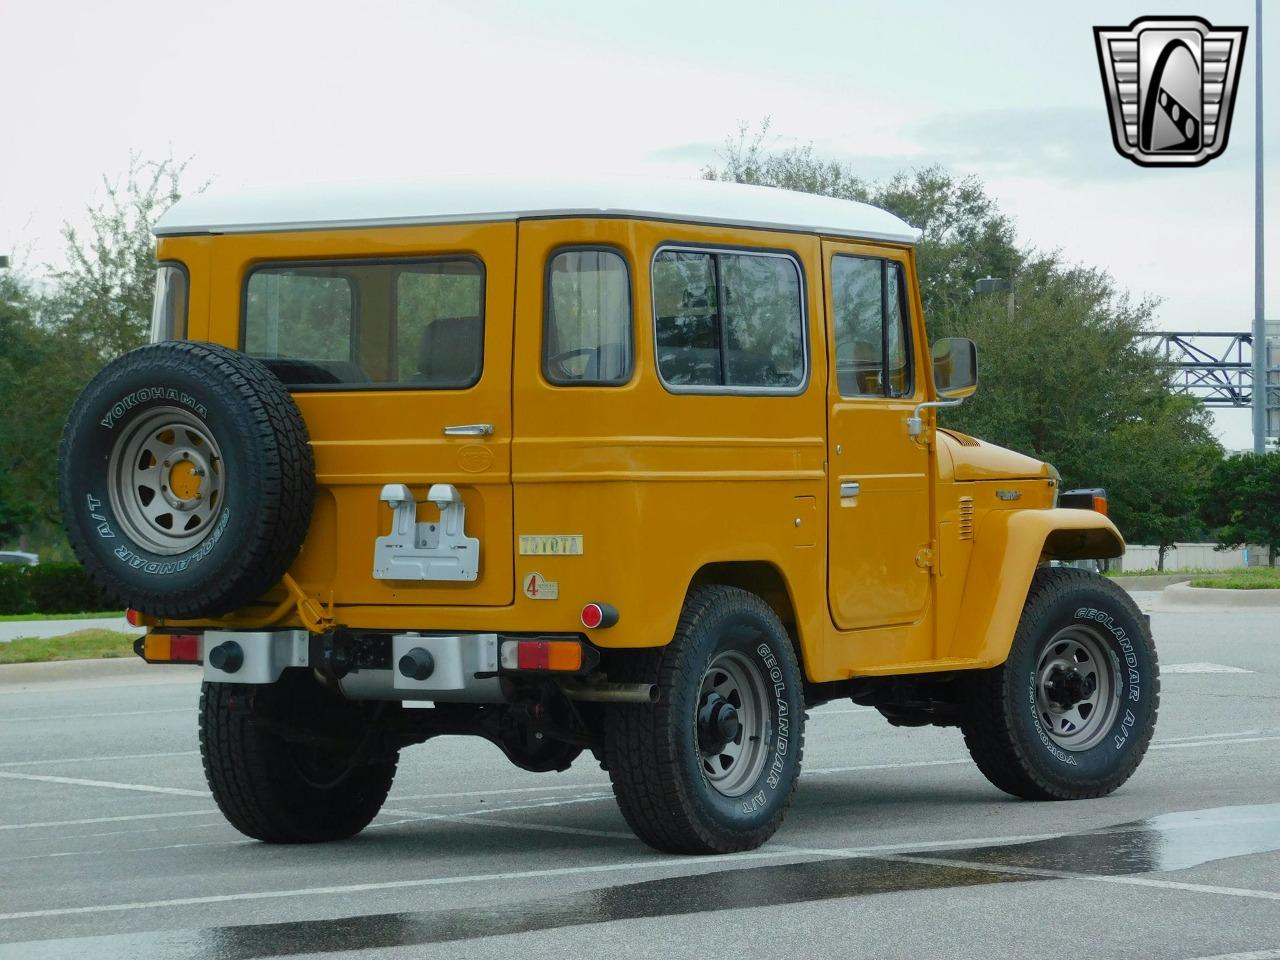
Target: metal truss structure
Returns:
[1217, 366]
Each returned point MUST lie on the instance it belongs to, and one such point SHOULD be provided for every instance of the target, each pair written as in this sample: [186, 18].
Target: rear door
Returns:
[401, 365]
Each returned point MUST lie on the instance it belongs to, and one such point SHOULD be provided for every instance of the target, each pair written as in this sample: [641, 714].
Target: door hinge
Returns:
[925, 555]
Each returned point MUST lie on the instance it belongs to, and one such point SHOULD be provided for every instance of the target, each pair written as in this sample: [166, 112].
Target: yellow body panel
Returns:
[660, 489]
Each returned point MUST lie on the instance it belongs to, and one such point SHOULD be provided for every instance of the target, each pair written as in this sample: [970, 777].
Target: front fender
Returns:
[1008, 547]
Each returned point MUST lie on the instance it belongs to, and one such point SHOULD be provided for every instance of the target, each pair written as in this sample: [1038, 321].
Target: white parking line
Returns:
[1131, 881]
[91, 820]
[419, 882]
[1200, 667]
[775, 852]
[99, 716]
[1210, 736]
[1247, 955]
[1211, 743]
[120, 756]
[108, 784]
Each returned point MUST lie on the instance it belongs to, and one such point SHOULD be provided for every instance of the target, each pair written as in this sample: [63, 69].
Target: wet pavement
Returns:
[110, 846]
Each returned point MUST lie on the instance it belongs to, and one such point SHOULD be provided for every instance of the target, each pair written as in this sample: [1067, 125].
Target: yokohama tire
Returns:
[282, 790]
[1081, 633]
[665, 776]
[186, 479]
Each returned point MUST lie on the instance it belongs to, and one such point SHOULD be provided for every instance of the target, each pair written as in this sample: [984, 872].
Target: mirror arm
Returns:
[915, 425]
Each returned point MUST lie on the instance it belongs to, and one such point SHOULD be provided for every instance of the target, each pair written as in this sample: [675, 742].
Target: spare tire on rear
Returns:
[186, 479]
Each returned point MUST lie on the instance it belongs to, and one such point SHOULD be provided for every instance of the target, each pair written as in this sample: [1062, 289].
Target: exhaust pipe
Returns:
[575, 689]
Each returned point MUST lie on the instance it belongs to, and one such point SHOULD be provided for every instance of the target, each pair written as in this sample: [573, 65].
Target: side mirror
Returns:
[955, 376]
[955, 367]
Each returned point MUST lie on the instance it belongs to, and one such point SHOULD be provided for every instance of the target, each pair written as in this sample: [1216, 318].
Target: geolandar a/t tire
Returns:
[293, 762]
[186, 479]
[712, 766]
[1070, 714]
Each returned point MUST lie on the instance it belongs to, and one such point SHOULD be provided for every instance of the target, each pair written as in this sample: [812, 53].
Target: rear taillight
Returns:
[565, 656]
[171, 648]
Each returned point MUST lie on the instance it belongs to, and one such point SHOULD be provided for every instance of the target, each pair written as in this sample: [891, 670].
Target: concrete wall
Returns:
[1191, 556]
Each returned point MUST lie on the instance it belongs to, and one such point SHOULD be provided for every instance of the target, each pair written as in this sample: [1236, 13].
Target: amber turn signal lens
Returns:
[171, 648]
[559, 655]
[1100, 504]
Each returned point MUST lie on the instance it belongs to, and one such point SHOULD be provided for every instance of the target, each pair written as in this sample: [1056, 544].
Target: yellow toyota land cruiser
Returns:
[644, 469]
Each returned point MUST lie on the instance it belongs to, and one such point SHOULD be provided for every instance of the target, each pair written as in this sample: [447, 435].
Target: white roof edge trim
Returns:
[446, 201]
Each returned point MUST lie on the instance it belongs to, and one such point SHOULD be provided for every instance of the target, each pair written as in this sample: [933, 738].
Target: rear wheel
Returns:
[712, 766]
[292, 762]
[1069, 715]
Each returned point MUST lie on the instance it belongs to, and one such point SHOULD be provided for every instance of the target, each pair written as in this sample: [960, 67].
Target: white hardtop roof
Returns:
[475, 200]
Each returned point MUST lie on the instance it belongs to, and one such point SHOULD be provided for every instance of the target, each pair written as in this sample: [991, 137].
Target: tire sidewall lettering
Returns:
[1123, 638]
[782, 729]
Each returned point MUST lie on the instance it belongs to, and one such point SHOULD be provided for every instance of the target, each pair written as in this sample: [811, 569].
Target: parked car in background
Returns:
[19, 558]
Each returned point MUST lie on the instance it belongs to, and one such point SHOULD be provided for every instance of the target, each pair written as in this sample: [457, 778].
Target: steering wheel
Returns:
[559, 359]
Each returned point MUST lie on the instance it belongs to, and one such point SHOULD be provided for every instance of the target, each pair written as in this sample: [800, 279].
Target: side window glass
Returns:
[304, 314]
[857, 297]
[729, 320]
[439, 313]
[872, 327]
[587, 338]
[686, 305]
[897, 333]
[763, 326]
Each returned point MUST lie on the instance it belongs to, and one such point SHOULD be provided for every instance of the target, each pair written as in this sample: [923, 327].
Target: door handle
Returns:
[850, 488]
[469, 430]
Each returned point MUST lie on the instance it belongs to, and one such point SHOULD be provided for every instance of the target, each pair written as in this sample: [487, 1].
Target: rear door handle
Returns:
[470, 430]
[850, 488]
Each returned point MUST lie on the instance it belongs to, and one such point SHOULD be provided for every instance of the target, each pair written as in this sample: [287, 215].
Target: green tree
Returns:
[103, 295]
[55, 336]
[41, 372]
[1241, 503]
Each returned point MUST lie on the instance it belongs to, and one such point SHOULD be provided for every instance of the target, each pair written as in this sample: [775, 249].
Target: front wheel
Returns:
[1069, 715]
[293, 762]
[712, 766]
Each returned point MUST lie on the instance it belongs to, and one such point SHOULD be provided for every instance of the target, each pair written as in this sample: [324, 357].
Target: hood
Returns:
[973, 459]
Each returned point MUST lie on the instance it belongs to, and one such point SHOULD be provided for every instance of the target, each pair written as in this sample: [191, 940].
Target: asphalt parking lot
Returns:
[895, 847]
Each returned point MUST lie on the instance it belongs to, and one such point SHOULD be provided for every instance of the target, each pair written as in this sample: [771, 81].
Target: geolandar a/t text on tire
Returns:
[634, 471]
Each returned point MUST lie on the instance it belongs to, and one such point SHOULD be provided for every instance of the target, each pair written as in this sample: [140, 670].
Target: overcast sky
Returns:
[272, 91]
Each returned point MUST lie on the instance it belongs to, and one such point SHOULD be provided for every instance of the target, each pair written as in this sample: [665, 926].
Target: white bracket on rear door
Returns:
[425, 551]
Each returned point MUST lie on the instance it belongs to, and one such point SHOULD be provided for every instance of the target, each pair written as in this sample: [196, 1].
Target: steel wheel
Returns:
[1077, 688]
[166, 481]
[732, 723]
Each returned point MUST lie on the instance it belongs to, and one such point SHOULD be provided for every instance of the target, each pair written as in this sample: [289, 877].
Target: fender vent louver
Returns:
[962, 438]
[966, 518]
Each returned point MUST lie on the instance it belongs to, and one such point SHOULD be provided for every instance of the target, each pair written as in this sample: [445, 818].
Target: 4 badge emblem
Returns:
[1170, 84]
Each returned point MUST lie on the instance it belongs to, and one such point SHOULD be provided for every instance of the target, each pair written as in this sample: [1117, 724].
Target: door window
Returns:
[873, 332]
[587, 339]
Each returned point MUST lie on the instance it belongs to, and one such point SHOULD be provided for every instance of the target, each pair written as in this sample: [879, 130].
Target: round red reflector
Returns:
[132, 617]
[592, 616]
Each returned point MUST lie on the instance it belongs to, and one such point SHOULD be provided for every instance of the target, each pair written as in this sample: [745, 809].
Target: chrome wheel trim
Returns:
[156, 514]
[734, 769]
[1077, 658]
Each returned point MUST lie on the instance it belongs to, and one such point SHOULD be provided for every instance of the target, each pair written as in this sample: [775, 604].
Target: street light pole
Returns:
[1259, 300]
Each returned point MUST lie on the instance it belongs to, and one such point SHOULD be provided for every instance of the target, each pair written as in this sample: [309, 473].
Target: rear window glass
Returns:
[731, 320]
[588, 333]
[366, 324]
